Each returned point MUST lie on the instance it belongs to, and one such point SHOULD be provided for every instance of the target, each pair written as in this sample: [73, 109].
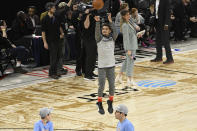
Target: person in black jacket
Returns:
[193, 18]
[76, 21]
[180, 19]
[52, 35]
[89, 44]
[162, 13]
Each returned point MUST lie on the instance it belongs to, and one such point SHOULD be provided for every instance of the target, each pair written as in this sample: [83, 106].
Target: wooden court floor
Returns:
[166, 100]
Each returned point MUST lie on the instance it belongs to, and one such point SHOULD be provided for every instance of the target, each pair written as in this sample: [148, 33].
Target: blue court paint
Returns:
[156, 83]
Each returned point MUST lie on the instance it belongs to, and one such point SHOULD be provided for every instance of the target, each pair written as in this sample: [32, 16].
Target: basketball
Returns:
[98, 4]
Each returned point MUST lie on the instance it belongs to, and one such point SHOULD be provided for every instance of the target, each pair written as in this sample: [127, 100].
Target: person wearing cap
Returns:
[124, 124]
[45, 123]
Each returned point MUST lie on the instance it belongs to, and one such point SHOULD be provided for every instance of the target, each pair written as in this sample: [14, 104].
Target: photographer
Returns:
[76, 19]
[17, 52]
[89, 44]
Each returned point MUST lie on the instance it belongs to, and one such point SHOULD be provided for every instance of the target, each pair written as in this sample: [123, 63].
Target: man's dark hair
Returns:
[49, 5]
[106, 24]
[32, 7]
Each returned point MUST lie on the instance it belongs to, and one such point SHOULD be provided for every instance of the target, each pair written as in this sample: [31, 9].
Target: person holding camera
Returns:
[130, 46]
[17, 52]
[105, 40]
[89, 44]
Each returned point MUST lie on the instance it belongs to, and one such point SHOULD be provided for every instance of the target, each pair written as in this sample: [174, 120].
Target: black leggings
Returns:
[20, 53]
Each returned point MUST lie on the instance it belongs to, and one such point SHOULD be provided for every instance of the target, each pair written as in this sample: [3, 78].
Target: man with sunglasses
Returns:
[124, 124]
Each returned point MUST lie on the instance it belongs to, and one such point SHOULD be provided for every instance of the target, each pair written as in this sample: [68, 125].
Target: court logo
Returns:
[156, 83]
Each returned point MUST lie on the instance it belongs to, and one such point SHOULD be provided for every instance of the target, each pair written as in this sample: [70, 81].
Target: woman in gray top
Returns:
[130, 43]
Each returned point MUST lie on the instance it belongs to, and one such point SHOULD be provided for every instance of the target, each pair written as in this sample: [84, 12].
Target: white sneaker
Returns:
[130, 82]
[118, 79]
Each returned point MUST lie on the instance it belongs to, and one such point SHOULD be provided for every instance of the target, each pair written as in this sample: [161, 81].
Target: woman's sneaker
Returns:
[118, 79]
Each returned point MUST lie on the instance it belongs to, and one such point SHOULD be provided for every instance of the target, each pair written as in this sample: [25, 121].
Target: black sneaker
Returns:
[156, 60]
[90, 78]
[63, 72]
[110, 107]
[100, 108]
[54, 76]
[19, 70]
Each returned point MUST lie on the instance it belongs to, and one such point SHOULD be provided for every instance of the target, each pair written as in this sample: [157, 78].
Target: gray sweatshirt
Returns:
[105, 47]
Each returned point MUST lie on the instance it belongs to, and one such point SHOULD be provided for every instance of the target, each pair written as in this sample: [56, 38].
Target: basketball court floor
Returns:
[166, 99]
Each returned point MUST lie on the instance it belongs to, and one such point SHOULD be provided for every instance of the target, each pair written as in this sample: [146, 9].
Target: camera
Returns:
[82, 7]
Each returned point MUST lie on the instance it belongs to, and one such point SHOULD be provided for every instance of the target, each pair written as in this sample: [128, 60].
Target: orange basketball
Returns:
[98, 4]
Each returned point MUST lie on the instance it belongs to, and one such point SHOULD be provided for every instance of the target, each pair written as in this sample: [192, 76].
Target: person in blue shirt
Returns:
[124, 124]
[45, 123]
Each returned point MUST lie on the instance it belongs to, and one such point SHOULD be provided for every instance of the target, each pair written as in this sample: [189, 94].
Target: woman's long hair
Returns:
[122, 20]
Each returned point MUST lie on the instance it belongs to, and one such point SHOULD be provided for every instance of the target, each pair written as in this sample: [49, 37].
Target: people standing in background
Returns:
[193, 18]
[89, 44]
[180, 14]
[162, 12]
[52, 33]
[76, 20]
[32, 16]
[61, 14]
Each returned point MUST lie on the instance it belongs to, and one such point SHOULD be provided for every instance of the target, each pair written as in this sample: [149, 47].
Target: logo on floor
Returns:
[156, 83]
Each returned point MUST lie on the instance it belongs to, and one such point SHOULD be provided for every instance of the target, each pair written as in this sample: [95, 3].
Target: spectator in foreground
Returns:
[124, 124]
[45, 123]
